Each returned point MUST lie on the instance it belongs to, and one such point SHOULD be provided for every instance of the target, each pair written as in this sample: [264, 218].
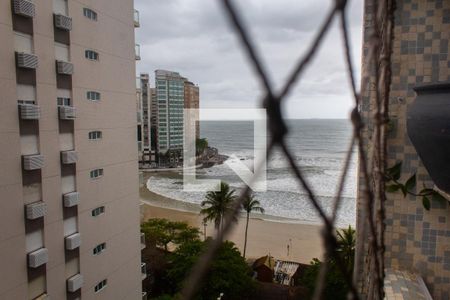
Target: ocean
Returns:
[319, 147]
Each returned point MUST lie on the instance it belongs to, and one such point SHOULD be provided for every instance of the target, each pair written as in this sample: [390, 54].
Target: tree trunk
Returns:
[246, 229]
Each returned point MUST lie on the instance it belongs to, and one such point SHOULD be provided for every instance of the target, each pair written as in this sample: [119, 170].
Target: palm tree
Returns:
[217, 204]
[346, 241]
[250, 204]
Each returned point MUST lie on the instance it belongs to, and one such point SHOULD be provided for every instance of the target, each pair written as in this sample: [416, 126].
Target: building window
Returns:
[98, 211]
[26, 102]
[89, 13]
[96, 173]
[90, 54]
[100, 286]
[62, 101]
[93, 96]
[99, 248]
[95, 135]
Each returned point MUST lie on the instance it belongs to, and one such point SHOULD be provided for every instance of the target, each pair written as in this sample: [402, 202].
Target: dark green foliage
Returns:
[200, 145]
[162, 232]
[336, 287]
[392, 176]
[229, 274]
[217, 204]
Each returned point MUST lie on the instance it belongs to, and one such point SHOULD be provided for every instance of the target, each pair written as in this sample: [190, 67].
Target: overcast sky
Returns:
[193, 37]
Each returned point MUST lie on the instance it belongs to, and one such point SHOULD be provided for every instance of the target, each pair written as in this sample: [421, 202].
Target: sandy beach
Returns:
[283, 239]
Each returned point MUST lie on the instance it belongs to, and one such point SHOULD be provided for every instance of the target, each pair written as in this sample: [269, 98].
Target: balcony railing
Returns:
[136, 18]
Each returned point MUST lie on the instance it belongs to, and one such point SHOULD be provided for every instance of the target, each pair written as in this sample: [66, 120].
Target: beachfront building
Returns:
[192, 101]
[417, 240]
[69, 225]
[170, 96]
[147, 156]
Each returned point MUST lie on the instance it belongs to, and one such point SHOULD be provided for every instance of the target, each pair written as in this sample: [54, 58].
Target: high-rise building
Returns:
[192, 100]
[170, 96]
[69, 216]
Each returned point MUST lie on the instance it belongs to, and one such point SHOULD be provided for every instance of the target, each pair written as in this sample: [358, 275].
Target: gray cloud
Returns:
[193, 37]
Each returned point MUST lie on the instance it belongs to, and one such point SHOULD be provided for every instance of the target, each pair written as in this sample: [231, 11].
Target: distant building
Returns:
[264, 268]
[147, 156]
[192, 100]
[170, 96]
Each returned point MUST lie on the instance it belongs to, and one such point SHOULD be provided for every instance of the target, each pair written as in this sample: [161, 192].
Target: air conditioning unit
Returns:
[24, 8]
[142, 241]
[73, 241]
[144, 295]
[36, 210]
[64, 67]
[38, 258]
[26, 60]
[63, 22]
[74, 283]
[69, 157]
[66, 112]
[71, 199]
[29, 111]
[33, 162]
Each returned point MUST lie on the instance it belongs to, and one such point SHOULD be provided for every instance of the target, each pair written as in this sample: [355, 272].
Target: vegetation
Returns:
[166, 271]
[218, 204]
[200, 145]
[250, 204]
[335, 284]
[163, 232]
[229, 274]
[392, 177]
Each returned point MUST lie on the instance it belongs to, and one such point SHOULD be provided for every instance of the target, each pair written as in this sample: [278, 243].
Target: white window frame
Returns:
[101, 285]
[98, 211]
[90, 14]
[63, 101]
[96, 173]
[91, 55]
[99, 249]
[93, 95]
[95, 135]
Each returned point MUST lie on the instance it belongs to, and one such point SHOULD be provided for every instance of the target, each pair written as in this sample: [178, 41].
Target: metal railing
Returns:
[370, 244]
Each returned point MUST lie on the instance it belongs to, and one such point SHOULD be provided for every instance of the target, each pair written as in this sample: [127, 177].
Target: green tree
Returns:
[335, 284]
[218, 204]
[229, 274]
[200, 145]
[163, 232]
[250, 204]
[346, 239]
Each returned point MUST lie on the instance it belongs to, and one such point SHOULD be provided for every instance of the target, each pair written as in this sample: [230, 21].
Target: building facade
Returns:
[417, 240]
[169, 87]
[192, 101]
[69, 218]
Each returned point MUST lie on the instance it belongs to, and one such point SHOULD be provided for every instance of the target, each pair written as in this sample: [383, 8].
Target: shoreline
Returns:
[293, 241]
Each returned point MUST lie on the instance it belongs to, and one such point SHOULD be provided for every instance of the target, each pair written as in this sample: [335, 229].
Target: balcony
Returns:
[69, 157]
[24, 8]
[73, 241]
[38, 258]
[137, 52]
[143, 271]
[66, 112]
[74, 283]
[64, 67]
[32, 162]
[71, 199]
[62, 22]
[36, 210]
[29, 111]
[26, 60]
[142, 240]
[136, 19]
